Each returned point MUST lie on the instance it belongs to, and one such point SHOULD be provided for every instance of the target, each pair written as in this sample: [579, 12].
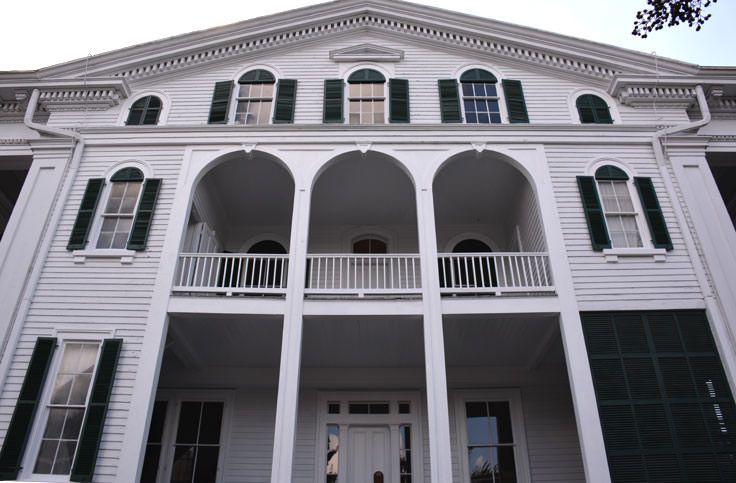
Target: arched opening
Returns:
[363, 231]
[483, 200]
[242, 197]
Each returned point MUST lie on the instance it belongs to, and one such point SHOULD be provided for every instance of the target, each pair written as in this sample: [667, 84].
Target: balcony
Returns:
[494, 273]
[231, 274]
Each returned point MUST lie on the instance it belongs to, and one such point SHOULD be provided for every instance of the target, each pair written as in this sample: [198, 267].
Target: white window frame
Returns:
[41, 419]
[503, 112]
[513, 397]
[346, 95]
[234, 98]
[171, 421]
[91, 251]
[393, 420]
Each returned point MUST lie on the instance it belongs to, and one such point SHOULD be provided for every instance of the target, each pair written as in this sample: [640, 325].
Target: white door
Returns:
[369, 449]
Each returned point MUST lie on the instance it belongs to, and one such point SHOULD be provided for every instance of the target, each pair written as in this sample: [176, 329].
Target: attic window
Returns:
[145, 110]
[593, 110]
[480, 97]
[367, 97]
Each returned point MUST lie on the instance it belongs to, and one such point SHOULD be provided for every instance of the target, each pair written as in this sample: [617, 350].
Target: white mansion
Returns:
[368, 242]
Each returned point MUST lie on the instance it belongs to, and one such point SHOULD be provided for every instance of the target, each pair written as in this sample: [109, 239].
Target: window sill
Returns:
[612, 254]
[125, 256]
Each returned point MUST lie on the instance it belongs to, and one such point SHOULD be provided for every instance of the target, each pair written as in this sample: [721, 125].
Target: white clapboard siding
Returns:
[99, 295]
[531, 229]
[630, 279]
[190, 90]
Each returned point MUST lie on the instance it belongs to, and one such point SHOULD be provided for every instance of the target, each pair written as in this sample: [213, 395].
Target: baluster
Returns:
[239, 270]
[515, 271]
[319, 272]
[503, 271]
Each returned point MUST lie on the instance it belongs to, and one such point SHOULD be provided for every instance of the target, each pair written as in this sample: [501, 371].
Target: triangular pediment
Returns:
[366, 53]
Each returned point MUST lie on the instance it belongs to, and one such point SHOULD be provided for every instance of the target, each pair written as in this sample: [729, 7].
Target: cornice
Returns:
[65, 94]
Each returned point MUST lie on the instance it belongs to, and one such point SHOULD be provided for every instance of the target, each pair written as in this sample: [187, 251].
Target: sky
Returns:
[41, 33]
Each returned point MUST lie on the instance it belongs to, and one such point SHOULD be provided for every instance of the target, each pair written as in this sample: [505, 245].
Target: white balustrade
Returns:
[231, 273]
[363, 274]
[496, 273]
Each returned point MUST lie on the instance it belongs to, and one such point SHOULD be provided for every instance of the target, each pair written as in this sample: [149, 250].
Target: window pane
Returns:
[467, 89]
[477, 421]
[500, 422]
[479, 90]
[55, 423]
[333, 452]
[62, 388]
[64, 457]
[46, 455]
[354, 90]
[240, 112]
[505, 465]
[206, 467]
[471, 118]
[495, 118]
[479, 462]
[188, 422]
[483, 118]
[70, 360]
[209, 432]
[73, 423]
[88, 358]
[244, 90]
[491, 90]
[183, 467]
[366, 90]
[117, 190]
[131, 197]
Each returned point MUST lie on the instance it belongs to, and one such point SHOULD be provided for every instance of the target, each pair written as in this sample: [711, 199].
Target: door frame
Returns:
[392, 421]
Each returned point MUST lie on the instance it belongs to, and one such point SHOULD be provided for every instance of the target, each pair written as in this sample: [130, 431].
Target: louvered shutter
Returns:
[285, 101]
[653, 212]
[515, 103]
[399, 100]
[94, 420]
[449, 100]
[593, 213]
[21, 422]
[83, 222]
[333, 101]
[144, 215]
[220, 102]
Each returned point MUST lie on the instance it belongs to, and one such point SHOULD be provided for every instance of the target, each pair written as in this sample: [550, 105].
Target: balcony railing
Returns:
[363, 274]
[496, 273]
[228, 274]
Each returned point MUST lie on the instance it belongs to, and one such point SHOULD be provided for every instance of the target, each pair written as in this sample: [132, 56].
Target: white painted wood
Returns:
[369, 453]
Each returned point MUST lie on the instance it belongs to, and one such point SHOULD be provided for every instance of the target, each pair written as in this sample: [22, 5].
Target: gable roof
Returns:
[428, 24]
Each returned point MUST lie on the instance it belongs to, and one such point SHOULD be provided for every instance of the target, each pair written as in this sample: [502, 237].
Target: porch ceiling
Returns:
[484, 340]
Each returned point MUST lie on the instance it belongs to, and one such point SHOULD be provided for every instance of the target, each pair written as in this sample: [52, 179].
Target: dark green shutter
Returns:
[144, 215]
[449, 100]
[593, 109]
[94, 419]
[515, 103]
[399, 100]
[285, 100]
[655, 218]
[220, 102]
[333, 101]
[21, 422]
[594, 213]
[78, 238]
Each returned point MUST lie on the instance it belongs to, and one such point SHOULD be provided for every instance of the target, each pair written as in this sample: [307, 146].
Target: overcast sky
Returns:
[41, 33]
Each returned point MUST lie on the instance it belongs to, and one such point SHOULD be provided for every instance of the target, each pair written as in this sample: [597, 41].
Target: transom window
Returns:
[66, 409]
[117, 217]
[480, 97]
[255, 97]
[593, 110]
[145, 110]
[367, 97]
[618, 207]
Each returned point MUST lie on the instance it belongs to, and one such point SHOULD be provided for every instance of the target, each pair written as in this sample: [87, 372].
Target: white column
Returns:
[584, 401]
[291, 343]
[434, 344]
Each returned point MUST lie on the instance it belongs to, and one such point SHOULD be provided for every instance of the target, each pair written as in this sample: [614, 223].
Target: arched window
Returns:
[370, 246]
[614, 219]
[367, 97]
[145, 110]
[255, 97]
[480, 97]
[127, 211]
[593, 110]
[475, 271]
[266, 272]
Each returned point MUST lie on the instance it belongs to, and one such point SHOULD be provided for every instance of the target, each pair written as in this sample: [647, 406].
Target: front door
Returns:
[370, 449]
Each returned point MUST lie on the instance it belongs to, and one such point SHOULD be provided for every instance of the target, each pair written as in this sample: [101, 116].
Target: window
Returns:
[490, 427]
[145, 110]
[255, 97]
[127, 213]
[593, 110]
[481, 102]
[197, 447]
[480, 97]
[405, 453]
[367, 97]
[614, 220]
[664, 401]
[154, 445]
[333, 453]
[66, 409]
[370, 246]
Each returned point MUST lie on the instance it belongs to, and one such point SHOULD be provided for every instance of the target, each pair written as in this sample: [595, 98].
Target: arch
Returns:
[369, 244]
[477, 75]
[128, 174]
[370, 153]
[471, 245]
[257, 76]
[228, 155]
[610, 172]
[365, 75]
[267, 246]
[452, 242]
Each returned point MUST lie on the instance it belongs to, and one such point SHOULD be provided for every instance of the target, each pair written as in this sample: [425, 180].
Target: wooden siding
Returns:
[547, 94]
[631, 280]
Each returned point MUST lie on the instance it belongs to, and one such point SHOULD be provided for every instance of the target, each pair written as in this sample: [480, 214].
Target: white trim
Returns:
[513, 397]
[163, 116]
[573, 108]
